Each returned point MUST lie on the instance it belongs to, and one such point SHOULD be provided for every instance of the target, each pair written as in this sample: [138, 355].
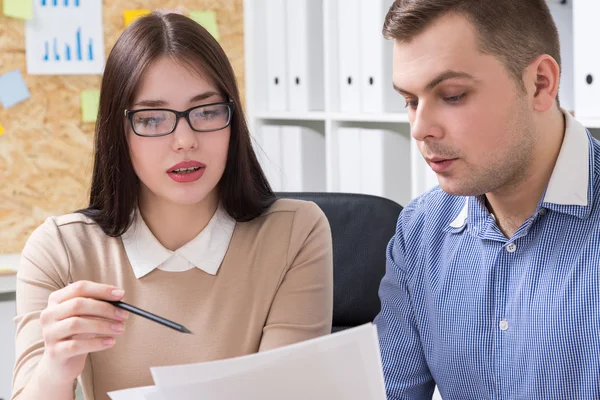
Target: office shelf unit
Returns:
[322, 66]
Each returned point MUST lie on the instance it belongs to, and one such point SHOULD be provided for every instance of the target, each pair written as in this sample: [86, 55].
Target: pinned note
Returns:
[208, 19]
[131, 15]
[90, 101]
[13, 88]
[22, 9]
[1, 133]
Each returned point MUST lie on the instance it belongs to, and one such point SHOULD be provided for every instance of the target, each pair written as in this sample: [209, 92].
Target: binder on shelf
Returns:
[348, 12]
[303, 159]
[349, 160]
[377, 93]
[305, 77]
[385, 164]
[563, 17]
[277, 97]
[586, 58]
[270, 156]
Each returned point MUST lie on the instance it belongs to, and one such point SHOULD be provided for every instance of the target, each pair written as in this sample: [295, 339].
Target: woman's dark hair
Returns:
[244, 190]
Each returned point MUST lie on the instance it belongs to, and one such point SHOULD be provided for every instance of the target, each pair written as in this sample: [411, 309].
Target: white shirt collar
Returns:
[570, 178]
[206, 251]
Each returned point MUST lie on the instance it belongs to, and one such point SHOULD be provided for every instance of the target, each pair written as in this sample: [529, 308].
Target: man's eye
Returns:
[455, 99]
[412, 104]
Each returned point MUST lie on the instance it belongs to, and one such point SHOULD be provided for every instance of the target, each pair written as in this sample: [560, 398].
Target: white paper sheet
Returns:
[139, 393]
[65, 37]
[344, 365]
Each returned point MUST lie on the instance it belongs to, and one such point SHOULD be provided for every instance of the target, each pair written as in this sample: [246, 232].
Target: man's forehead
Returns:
[446, 38]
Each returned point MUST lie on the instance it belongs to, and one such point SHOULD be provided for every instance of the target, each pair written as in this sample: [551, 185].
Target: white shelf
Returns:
[590, 123]
[316, 34]
[362, 117]
[292, 116]
[8, 283]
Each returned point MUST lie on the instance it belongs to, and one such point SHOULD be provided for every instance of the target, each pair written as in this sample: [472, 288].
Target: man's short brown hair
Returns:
[514, 31]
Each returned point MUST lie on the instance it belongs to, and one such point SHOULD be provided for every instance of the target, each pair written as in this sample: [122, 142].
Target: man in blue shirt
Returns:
[492, 289]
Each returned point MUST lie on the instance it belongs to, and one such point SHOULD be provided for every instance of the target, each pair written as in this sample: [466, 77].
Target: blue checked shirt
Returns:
[486, 317]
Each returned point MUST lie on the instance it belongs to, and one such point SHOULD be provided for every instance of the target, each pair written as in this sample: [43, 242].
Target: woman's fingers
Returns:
[76, 347]
[67, 328]
[86, 289]
[81, 306]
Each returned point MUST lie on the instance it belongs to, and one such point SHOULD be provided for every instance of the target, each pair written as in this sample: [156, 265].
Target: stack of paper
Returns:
[344, 365]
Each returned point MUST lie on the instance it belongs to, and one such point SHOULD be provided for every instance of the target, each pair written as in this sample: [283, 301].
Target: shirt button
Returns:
[504, 325]
[543, 212]
[511, 248]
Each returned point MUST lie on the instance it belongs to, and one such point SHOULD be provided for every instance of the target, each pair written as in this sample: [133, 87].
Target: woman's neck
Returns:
[174, 225]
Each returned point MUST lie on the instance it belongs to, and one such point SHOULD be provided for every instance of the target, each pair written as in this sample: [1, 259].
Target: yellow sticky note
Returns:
[131, 15]
[1, 133]
[22, 9]
[90, 101]
[208, 19]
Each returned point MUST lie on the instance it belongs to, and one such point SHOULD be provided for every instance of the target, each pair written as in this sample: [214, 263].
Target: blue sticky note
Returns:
[13, 88]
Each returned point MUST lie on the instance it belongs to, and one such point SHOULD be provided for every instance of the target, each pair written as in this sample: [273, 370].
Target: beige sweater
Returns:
[274, 287]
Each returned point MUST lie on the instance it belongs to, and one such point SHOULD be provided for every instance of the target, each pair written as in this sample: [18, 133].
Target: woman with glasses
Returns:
[181, 222]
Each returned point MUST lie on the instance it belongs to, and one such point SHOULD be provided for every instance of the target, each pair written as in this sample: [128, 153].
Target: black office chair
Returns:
[361, 227]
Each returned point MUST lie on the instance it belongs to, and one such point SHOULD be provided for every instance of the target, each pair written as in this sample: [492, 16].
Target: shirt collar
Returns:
[206, 251]
[569, 184]
[569, 188]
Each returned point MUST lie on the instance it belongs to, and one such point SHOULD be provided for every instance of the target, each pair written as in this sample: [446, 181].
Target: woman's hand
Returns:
[77, 322]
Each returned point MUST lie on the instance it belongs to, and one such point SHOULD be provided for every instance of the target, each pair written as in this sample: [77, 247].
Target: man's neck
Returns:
[513, 204]
[175, 225]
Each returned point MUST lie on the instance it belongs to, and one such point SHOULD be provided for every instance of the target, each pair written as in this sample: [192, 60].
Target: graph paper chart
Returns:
[65, 37]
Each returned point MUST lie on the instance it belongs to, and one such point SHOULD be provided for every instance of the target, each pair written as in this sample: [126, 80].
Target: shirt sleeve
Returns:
[303, 305]
[43, 269]
[407, 375]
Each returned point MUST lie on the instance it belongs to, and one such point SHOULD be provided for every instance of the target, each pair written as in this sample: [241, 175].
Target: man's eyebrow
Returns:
[437, 80]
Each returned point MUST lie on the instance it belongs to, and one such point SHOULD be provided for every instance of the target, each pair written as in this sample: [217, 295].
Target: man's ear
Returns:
[543, 74]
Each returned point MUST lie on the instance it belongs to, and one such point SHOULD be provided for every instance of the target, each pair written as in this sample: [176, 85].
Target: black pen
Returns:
[148, 315]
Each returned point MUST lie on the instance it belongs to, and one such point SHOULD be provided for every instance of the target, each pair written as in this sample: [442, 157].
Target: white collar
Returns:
[206, 251]
[570, 178]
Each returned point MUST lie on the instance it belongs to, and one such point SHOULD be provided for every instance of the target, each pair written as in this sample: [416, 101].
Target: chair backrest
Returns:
[361, 227]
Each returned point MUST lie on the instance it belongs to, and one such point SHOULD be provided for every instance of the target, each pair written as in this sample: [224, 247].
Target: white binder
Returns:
[563, 17]
[587, 58]
[303, 159]
[385, 163]
[270, 156]
[348, 12]
[277, 98]
[377, 92]
[305, 77]
[349, 160]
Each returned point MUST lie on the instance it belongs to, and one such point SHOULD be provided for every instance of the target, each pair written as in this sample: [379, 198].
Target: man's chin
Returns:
[457, 188]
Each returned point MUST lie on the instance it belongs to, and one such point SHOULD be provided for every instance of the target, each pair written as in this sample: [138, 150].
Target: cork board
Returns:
[46, 151]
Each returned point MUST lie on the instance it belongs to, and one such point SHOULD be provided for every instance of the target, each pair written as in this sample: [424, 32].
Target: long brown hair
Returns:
[244, 190]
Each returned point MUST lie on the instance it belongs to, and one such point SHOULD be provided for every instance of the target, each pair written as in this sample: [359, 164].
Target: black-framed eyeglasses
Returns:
[152, 122]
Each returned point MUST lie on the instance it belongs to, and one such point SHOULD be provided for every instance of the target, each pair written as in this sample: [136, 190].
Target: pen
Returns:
[148, 315]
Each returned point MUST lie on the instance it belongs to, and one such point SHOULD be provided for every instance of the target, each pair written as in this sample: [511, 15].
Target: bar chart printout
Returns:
[65, 37]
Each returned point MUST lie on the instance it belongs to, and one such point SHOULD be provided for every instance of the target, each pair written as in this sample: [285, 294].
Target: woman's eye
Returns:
[149, 121]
